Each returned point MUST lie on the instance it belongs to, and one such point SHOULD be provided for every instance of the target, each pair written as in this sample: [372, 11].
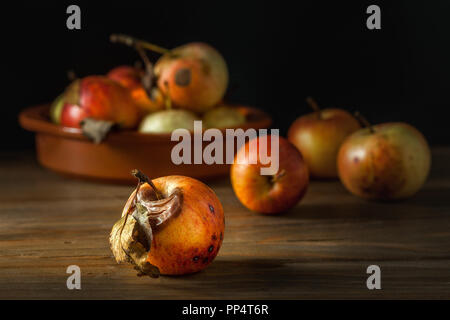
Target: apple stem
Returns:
[364, 122]
[142, 179]
[313, 104]
[278, 175]
[147, 79]
[71, 75]
[132, 42]
[168, 99]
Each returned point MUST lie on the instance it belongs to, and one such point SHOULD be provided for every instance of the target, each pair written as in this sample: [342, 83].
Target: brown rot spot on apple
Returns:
[205, 260]
[183, 77]
[195, 259]
[211, 248]
[355, 159]
[214, 237]
[211, 208]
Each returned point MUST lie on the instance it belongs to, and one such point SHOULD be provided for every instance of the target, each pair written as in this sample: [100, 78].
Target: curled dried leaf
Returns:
[96, 130]
[126, 245]
[159, 211]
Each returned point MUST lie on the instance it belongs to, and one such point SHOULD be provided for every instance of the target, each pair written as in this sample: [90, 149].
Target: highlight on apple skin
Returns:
[269, 194]
[385, 161]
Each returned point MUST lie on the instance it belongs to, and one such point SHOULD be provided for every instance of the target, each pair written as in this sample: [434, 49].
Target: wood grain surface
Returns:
[320, 249]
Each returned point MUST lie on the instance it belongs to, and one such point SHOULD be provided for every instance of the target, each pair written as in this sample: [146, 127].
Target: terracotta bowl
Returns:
[67, 151]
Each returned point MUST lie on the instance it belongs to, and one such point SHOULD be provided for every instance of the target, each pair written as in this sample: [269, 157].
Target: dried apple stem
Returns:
[364, 121]
[167, 98]
[147, 79]
[278, 175]
[71, 75]
[132, 42]
[143, 178]
[313, 104]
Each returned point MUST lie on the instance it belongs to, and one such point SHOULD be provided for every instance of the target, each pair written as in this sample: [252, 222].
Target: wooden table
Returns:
[320, 249]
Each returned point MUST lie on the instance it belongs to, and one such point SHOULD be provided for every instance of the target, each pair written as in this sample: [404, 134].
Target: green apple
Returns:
[167, 120]
[56, 109]
[223, 117]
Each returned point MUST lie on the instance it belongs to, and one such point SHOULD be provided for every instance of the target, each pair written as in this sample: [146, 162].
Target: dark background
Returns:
[277, 52]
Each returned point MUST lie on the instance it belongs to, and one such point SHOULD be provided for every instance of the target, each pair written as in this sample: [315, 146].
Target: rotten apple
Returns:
[195, 75]
[269, 194]
[319, 135]
[132, 78]
[172, 225]
[384, 161]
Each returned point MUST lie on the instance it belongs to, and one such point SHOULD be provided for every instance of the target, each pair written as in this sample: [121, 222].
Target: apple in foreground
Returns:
[269, 194]
[172, 225]
[385, 161]
[319, 135]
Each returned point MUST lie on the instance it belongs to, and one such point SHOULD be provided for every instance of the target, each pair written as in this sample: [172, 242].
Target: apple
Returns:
[195, 76]
[99, 98]
[319, 135]
[384, 161]
[223, 116]
[131, 78]
[167, 120]
[56, 109]
[172, 225]
[269, 194]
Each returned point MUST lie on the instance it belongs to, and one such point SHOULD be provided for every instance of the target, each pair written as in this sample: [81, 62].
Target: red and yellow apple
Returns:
[180, 226]
[319, 135]
[131, 78]
[385, 161]
[99, 98]
[269, 194]
[194, 75]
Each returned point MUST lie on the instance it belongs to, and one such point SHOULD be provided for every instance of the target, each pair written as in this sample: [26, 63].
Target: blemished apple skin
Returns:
[99, 98]
[319, 139]
[257, 192]
[189, 241]
[130, 78]
[393, 162]
[194, 75]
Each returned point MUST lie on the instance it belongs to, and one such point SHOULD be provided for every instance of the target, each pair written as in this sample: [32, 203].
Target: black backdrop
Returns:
[278, 53]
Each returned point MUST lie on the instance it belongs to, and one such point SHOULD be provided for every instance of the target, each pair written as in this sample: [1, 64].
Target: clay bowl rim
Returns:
[36, 119]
